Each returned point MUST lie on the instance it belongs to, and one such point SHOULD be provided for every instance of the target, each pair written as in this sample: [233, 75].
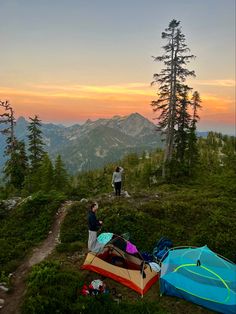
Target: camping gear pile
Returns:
[162, 247]
[195, 274]
[96, 287]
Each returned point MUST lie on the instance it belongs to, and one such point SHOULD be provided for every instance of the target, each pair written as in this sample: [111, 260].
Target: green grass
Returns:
[54, 289]
[192, 215]
[25, 226]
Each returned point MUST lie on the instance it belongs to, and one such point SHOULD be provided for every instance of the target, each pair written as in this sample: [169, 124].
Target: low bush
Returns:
[25, 226]
[52, 289]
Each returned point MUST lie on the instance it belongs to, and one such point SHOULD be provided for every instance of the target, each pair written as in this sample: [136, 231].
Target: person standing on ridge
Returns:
[93, 226]
[116, 180]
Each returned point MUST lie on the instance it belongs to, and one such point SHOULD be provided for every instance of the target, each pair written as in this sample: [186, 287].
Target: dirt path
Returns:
[14, 298]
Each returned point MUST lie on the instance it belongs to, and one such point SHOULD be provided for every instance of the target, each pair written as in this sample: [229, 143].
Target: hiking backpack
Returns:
[161, 247]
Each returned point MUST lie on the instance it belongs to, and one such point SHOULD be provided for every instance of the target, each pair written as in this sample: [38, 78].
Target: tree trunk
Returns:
[168, 131]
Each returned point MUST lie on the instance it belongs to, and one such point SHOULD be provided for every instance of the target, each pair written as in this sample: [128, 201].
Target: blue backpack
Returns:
[147, 257]
[161, 247]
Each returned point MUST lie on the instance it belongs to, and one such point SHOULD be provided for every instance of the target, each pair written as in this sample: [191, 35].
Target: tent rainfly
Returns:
[201, 276]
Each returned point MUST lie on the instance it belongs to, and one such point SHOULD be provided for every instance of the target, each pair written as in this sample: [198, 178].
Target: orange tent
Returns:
[129, 269]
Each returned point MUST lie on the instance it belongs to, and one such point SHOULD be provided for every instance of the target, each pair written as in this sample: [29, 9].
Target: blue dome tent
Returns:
[201, 276]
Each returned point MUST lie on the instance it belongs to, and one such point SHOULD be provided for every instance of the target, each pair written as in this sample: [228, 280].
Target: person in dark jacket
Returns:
[93, 225]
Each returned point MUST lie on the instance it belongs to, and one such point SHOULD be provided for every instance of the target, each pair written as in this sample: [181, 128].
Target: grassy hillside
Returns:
[24, 227]
[195, 214]
[197, 211]
[189, 214]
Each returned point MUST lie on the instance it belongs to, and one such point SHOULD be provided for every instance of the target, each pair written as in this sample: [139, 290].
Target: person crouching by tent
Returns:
[116, 180]
[93, 225]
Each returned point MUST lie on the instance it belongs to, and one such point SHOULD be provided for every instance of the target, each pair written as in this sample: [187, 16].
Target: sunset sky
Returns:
[70, 60]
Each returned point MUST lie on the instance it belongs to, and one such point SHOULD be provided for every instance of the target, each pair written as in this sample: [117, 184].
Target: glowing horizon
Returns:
[71, 103]
[97, 63]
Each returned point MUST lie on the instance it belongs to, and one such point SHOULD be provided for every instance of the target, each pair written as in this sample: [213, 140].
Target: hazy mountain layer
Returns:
[94, 143]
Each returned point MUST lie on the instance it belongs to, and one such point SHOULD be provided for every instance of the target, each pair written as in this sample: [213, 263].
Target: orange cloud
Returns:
[124, 92]
[78, 102]
[219, 83]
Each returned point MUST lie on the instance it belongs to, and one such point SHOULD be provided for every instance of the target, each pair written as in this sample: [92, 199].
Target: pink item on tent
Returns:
[131, 248]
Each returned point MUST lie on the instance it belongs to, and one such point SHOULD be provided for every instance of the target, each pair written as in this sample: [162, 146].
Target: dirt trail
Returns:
[13, 299]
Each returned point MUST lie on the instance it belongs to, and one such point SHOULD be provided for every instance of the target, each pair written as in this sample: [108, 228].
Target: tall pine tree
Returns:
[181, 132]
[36, 153]
[16, 165]
[170, 80]
[36, 144]
[192, 148]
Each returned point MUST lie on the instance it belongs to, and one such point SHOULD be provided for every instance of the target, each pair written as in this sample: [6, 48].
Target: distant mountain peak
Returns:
[95, 142]
[21, 119]
[88, 121]
[116, 117]
[136, 115]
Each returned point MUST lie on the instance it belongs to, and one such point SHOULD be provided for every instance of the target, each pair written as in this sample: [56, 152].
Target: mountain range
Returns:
[94, 143]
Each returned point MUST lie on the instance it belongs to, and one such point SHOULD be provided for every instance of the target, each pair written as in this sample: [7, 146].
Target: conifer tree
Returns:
[36, 144]
[170, 79]
[192, 149]
[60, 175]
[196, 104]
[36, 152]
[183, 124]
[16, 165]
[7, 117]
[46, 174]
